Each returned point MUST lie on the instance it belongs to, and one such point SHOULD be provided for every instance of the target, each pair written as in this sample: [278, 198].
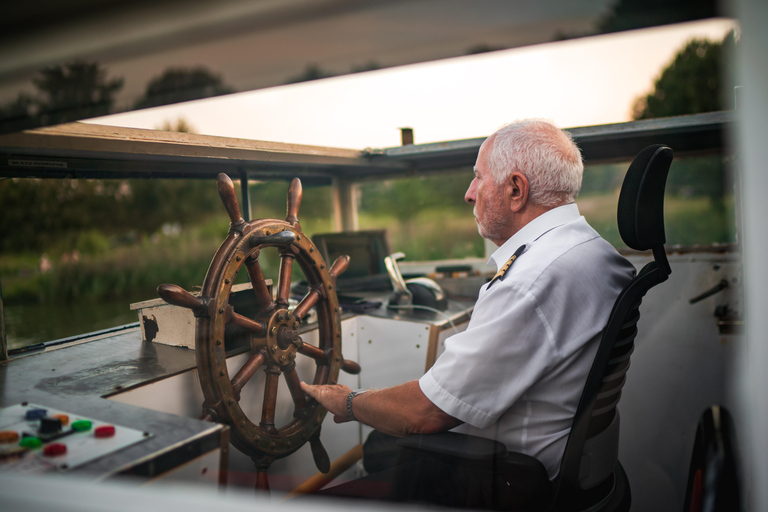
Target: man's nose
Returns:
[471, 194]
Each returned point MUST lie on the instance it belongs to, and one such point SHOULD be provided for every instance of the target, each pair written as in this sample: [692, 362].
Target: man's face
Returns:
[490, 211]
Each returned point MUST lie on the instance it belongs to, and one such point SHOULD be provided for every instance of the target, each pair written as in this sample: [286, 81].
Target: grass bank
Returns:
[183, 258]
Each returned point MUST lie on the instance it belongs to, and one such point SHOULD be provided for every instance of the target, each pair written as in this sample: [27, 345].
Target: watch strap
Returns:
[350, 396]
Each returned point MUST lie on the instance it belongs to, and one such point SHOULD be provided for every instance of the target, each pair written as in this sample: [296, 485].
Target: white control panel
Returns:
[37, 439]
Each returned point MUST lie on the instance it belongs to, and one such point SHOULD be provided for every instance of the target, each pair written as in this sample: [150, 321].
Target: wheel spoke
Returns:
[313, 352]
[178, 296]
[244, 322]
[284, 281]
[320, 356]
[259, 284]
[295, 194]
[292, 379]
[262, 480]
[245, 373]
[307, 303]
[339, 267]
[350, 366]
[322, 461]
[228, 196]
[270, 398]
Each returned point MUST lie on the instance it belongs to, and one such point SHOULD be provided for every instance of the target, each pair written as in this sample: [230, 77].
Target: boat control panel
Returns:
[37, 439]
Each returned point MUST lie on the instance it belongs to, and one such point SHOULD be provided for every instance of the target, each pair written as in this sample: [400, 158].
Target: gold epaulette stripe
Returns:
[510, 261]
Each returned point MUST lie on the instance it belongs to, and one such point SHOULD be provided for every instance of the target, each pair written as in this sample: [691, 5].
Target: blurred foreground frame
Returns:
[82, 56]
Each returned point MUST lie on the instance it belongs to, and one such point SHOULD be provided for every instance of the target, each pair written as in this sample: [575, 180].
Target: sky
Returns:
[579, 82]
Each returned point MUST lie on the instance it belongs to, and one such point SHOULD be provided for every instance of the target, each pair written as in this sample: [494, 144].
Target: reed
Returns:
[431, 234]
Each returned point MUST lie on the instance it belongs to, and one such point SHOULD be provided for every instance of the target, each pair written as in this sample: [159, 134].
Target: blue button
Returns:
[36, 414]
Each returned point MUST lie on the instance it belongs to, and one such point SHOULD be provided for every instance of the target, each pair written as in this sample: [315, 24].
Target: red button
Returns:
[104, 431]
[55, 449]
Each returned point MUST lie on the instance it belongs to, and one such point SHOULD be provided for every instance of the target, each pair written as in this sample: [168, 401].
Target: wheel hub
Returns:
[282, 341]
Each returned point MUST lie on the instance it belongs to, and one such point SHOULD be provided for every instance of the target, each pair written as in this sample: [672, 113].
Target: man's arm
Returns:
[398, 411]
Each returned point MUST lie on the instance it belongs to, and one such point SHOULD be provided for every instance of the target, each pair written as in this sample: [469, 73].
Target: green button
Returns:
[81, 425]
[30, 442]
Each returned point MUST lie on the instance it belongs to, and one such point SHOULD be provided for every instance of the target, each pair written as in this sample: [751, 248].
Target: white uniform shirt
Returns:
[516, 374]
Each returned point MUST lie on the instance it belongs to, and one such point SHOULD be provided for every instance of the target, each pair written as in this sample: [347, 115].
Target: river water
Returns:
[27, 324]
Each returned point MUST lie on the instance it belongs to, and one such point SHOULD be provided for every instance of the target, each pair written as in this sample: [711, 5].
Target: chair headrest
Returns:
[641, 201]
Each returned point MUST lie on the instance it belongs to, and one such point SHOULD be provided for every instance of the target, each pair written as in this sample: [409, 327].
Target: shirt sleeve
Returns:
[506, 348]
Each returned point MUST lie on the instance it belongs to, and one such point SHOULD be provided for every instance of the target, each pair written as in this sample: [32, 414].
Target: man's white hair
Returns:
[546, 155]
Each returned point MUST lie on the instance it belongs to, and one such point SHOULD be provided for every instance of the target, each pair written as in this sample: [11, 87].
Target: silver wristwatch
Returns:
[350, 396]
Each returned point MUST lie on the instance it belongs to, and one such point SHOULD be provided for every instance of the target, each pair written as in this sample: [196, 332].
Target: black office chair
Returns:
[591, 477]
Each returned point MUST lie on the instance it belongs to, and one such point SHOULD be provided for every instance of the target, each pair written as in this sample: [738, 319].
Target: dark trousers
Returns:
[399, 475]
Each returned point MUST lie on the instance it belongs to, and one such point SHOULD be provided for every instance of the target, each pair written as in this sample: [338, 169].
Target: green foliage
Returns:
[78, 90]
[16, 115]
[700, 177]
[19, 275]
[403, 198]
[170, 201]
[268, 200]
[482, 48]
[426, 216]
[181, 125]
[82, 90]
[602, 178]
[46, 214]
[314, 72]
[698, 202]
[430, 234]
[311, 72]
[633, 14]
[600, 212]
[62, 215]
[694, 221]
[108, 272]
[92, 242]
[692, 83]
[69, 92]
[371, 65]
[182, 84]
[42, 213]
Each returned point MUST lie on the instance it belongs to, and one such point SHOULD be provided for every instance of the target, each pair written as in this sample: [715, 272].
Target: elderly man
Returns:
[516, 374]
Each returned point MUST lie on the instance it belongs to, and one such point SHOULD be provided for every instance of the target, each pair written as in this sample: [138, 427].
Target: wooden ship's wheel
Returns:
[273, 332]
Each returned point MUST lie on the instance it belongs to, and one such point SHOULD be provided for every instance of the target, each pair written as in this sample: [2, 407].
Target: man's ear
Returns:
[517, 191]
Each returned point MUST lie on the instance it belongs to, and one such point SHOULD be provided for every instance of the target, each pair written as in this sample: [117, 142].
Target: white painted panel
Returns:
[680, 367]
[391, 351]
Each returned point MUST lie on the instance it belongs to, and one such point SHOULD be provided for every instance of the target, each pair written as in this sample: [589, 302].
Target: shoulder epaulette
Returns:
[503, 270]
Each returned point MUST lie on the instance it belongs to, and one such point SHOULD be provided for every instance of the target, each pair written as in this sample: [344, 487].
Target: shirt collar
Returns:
[533, 231]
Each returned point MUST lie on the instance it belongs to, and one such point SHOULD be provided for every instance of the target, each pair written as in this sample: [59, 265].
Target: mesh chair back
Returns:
[591, 453]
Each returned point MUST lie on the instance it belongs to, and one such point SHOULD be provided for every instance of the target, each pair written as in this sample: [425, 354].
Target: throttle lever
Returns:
[403, 295]
[722, 285]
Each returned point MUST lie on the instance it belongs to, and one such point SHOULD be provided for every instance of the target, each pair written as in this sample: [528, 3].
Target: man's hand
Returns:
[331, 396]
[397, 411]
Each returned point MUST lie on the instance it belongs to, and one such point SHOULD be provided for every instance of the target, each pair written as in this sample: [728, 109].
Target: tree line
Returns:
[82, 90]
[41, 213]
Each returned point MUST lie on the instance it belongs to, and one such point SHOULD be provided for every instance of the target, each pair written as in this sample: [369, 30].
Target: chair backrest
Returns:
[591, 453]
